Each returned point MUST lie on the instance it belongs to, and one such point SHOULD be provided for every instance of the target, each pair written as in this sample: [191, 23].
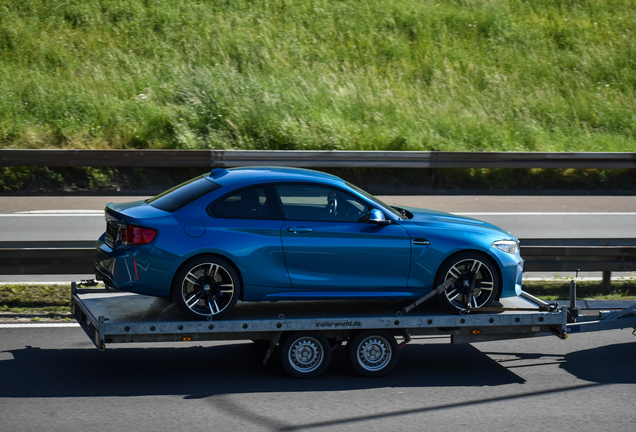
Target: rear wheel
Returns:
[305, 355]
[476, 284]
[373, 353]
[207, 287]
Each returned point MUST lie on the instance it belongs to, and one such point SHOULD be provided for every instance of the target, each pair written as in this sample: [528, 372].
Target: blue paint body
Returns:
[276, 261]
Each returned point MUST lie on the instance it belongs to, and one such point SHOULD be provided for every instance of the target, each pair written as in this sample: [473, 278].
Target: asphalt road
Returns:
[54, 379]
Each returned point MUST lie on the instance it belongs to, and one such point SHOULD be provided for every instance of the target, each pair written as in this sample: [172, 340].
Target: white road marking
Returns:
[38, 325]
[51, 212]
[55, 213]
[43, 282]
[546, 213]
[100, 213]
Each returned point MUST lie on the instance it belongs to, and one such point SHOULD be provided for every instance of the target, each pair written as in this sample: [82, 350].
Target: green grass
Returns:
[54, 300]
[40, 300]
[35, 295]
[586, 290]
[491, 75]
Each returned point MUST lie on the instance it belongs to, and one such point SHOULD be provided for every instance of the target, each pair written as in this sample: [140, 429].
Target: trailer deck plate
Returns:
[127, 307]
[115, 317]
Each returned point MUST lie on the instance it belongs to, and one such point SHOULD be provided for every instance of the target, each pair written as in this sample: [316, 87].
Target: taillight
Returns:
[134, 235]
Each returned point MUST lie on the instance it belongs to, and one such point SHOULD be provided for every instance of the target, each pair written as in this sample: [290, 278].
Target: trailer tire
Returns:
[305, 354]
[372, 353]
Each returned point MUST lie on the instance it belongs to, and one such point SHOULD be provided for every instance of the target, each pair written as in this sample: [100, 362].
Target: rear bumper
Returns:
[134, 269]
[116, 268]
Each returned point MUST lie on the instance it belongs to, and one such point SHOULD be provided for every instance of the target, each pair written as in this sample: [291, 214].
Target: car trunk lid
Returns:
[120, 215]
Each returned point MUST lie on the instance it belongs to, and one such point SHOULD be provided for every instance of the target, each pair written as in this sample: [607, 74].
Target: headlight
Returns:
[508, 246]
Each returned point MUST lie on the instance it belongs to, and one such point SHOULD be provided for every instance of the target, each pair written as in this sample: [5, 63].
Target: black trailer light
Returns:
[186, 338]
[476, 331]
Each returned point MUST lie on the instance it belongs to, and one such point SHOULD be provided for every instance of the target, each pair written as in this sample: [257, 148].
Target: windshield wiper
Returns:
[402, 212]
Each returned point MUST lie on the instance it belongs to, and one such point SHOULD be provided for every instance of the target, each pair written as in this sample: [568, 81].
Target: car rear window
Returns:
[251, 203]
[183, 194]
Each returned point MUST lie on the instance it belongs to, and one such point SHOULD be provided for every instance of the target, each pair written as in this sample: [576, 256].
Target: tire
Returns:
[305, 354]
[468, 267]
[207, 287]
[373, 353]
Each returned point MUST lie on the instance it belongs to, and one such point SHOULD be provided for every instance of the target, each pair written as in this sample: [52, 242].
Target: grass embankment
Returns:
[40, 300]
[548, 290]
[491, 75]
[52, 301]
[542, 75]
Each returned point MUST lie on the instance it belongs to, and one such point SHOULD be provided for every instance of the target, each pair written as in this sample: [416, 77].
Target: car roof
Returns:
[236, 177]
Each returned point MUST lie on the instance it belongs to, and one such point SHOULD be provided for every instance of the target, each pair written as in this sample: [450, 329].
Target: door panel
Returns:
[345, 255]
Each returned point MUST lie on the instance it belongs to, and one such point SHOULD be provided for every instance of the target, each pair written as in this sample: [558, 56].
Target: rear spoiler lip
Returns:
[134, 211]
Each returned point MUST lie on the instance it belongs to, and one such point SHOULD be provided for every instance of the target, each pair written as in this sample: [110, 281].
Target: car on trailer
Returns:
[275, 234]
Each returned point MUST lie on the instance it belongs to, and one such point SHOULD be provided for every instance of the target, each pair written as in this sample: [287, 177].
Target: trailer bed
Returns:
[307, 331]
[116, 317]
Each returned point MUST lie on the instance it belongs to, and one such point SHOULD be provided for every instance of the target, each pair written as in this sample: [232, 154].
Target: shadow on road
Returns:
[228, 369]
[200, 372]
[612, 364]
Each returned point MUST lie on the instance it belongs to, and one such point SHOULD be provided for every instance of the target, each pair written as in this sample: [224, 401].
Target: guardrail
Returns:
[47, 257]
[557, 255]
[314, 159]
[592, 255]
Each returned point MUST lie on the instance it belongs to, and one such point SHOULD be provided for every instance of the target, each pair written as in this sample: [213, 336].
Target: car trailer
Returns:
[307, 332]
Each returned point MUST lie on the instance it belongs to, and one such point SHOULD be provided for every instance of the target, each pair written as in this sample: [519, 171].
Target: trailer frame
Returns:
[113, 317]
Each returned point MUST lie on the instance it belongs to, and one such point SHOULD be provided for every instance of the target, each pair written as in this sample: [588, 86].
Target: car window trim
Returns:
[370, 204]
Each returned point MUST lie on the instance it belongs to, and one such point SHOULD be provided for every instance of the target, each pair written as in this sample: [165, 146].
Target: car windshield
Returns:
[376, 201]
[183, 194]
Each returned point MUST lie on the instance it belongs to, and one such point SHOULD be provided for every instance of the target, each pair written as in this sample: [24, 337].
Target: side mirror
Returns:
[376, 216]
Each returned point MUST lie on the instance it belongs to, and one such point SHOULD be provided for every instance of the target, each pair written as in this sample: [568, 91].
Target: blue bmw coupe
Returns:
[265, 234]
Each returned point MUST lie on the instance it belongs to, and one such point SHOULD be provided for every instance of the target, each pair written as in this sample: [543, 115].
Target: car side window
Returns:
[251, 203]
[319, 203]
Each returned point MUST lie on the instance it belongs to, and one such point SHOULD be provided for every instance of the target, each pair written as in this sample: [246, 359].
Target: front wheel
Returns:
[207, 287]
[372, 353]
[476, 284]
[305, 354]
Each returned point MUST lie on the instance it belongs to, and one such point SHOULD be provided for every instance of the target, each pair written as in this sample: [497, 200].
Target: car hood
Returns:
[430, 218]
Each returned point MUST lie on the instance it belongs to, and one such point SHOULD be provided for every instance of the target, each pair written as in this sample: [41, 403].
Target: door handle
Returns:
[299, 230]
[421, 241]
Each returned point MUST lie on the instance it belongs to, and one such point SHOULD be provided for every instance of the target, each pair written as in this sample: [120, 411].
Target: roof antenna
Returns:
[218, 172]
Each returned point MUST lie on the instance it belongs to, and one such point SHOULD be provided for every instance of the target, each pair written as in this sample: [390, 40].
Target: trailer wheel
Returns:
[373, 353]
[305, 354]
